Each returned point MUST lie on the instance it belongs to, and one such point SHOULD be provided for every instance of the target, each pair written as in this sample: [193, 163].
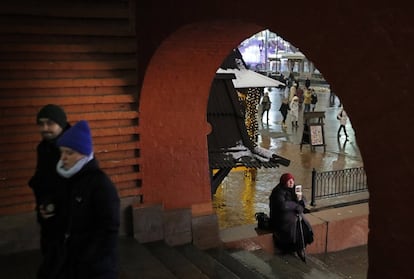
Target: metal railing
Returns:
[336, 183]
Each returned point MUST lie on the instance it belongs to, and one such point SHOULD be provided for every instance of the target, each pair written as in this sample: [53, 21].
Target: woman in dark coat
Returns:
[92, 210]
[285, 208]
[284, 109]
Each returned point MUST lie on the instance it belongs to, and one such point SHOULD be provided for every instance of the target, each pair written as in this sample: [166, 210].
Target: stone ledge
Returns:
[346, 227]
[334, 229]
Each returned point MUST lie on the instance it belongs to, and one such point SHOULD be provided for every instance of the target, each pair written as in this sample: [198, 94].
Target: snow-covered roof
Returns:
[242, 155]
[295, 55]
[247, 78]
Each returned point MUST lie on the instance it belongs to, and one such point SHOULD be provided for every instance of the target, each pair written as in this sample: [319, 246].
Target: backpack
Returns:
[263, 221]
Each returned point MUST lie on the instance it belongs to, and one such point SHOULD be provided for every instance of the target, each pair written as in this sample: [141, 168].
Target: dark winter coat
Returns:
[44, 184]
[314, 99]
[285, 209]
[266, 103]
[284, 108]
[93, 220]
[284, 206]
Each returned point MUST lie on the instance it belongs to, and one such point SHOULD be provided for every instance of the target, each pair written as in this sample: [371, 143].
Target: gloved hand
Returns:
[299, 209]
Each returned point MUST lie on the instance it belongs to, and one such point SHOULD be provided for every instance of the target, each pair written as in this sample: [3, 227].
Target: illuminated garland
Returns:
[250, 100]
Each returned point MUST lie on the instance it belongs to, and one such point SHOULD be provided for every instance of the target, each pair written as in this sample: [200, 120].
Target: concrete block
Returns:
[346, 226]
[346, 233]
[148, 222]
[177, 226]
[319, 228]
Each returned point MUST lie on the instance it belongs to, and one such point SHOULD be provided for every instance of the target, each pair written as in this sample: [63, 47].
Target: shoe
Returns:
[301, 255]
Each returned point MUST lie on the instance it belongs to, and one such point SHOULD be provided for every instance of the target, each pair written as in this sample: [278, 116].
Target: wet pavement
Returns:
[352, 262]
[245, 192]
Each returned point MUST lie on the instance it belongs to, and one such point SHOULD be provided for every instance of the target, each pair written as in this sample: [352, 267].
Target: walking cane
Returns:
[303, 238]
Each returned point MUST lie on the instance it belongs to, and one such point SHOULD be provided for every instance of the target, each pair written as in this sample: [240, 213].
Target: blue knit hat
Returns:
[78, 138]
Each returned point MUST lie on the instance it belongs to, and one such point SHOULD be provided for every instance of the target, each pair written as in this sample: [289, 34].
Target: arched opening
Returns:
[244, 190]
[180, 75]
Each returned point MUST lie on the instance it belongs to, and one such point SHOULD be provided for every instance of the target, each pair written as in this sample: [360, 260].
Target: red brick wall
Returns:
[175, 125]
[77, 55]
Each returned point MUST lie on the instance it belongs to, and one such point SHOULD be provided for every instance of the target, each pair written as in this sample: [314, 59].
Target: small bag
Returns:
[263, 221]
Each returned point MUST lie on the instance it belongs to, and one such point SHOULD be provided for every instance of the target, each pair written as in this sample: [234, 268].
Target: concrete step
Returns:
[176, 262]
[137, 262]
[206, 263]
[241, 269]
[157, 260]
[283, 266]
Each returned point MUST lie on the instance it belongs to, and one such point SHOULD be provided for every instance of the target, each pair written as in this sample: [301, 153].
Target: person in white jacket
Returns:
[343, 119]
[294, 111]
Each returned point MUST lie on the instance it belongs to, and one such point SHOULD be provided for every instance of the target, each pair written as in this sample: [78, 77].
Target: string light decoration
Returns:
[250, 98]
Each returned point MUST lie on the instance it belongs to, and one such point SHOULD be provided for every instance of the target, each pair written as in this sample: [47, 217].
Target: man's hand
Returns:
[47, 211]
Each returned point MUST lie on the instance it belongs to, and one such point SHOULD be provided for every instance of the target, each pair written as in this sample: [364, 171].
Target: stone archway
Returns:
[173, 112]
[372, 89]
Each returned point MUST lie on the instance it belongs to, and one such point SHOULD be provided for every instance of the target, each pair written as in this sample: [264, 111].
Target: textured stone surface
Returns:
[177, 226]
[148, 223]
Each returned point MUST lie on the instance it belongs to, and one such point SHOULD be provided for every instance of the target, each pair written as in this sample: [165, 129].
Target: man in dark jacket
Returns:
[52, 122]
[93, 210]
[286, 206]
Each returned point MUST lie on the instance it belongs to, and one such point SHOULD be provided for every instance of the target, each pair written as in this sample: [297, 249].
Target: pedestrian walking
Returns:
[294, 111]
[314, 99]
[300, 94]
[92, 210]
[292, 91]
[284, 109]
[307, 98]
[266, 104]
[343, 119]
[52, 122]
[307, 83]
[332, 97]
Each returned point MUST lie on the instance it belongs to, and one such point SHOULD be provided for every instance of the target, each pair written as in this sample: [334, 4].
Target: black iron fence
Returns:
[336, 183]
